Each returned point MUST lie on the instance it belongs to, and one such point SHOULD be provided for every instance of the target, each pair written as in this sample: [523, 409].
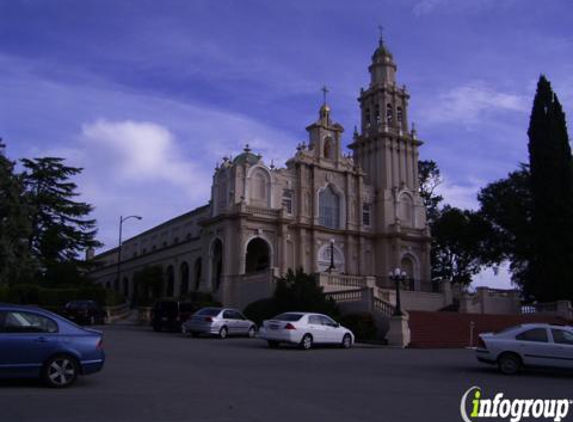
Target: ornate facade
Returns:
[354, 214]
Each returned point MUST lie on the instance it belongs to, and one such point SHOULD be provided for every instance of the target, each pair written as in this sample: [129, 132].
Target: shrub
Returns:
[4, 293]
[23, 293]
[262, 309]
[362, 324]
[203, 299]
[300, 292]
[53, 298]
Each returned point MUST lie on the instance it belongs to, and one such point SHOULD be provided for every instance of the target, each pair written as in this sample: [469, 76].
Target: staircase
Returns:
[454, 330]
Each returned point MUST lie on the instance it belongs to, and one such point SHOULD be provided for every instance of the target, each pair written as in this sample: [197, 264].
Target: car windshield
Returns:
[209, 311]
[288, 317]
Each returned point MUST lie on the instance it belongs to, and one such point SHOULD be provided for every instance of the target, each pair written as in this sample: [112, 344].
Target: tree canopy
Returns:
[43, 227]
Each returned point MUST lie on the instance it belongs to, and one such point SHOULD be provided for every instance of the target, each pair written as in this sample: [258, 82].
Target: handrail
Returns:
[383, 307]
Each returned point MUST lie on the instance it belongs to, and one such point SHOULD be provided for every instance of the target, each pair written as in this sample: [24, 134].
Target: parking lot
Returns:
[165, 377]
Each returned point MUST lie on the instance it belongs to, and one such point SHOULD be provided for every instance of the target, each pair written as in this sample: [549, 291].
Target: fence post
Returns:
[472, 325]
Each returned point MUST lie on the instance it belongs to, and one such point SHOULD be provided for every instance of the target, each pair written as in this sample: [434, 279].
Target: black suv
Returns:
[170, 314]
[85, 312]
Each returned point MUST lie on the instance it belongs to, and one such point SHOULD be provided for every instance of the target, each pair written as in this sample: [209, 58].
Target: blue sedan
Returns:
[35, 343]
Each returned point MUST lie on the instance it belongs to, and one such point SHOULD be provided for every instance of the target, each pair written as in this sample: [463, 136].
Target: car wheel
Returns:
[223, 333]
[60, 371]
[509, 363]
[157, 327]
[346, 341]
[252, 332]
[273, 344]
[306, 342]
[194, 334]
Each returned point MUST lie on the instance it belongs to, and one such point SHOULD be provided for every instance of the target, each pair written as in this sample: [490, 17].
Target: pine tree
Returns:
[61, 229]
[551, 181]
[16, 263]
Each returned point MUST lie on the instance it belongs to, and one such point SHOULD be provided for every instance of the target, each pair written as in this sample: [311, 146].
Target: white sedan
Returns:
[528, 345]
[305, 329]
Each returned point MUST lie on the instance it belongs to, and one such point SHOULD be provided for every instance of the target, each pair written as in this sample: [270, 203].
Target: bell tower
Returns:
[387, 152]
[385, 149]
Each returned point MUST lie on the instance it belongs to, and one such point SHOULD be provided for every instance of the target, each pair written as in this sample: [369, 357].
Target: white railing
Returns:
[346, 296]
[366, 295]
[561, 308]
[331, 281]
[117, 312]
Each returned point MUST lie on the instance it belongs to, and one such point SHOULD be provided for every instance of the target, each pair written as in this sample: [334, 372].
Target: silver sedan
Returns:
[220, 322]
[527, 345]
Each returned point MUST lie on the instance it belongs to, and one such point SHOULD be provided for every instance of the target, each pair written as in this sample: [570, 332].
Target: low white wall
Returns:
[491, 301]
[422, 301]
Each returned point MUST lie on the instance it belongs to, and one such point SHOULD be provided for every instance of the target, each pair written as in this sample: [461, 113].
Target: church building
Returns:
[352, 216]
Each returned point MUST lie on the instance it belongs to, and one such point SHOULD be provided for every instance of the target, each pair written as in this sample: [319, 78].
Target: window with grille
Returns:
[287, 200]
[366, 214]
[329, 208]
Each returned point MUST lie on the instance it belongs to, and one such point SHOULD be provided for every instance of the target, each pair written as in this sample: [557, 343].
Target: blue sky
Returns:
[147, 96]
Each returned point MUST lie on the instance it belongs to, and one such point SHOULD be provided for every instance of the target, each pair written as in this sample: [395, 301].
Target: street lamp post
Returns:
[397, 276]
[331, 267]
[121, 221]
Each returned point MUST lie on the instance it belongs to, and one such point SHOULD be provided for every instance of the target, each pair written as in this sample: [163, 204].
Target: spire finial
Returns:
[324, 92]
[381, 29]
[247, 148]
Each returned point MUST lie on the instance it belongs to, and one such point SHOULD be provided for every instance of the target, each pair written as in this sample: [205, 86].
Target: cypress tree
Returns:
[551, 182]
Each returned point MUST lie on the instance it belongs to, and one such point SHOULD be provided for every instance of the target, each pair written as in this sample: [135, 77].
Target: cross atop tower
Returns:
[324, 92]
[381, 29]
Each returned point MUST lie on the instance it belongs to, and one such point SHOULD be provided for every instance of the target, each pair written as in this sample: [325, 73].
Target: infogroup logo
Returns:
[515, 410]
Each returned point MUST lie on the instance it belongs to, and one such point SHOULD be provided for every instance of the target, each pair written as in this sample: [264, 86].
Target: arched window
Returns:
[217, 264]
[389, 113]
[258, 256]
[399, 114]
[221, 191]
[260, 186]
[184, 279]
[197, 272]
[367, 116]
[406, 210]
[328, 149]
[377, 114]
[329, 208]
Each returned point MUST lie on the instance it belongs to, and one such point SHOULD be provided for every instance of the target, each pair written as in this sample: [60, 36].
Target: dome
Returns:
[247, 157]
[381, 52]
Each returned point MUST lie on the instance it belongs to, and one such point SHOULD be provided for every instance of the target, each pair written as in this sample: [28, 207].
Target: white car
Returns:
[527, 345]
[305, 329]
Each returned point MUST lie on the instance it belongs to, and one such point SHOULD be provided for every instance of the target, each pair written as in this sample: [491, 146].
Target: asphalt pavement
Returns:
[166, 377]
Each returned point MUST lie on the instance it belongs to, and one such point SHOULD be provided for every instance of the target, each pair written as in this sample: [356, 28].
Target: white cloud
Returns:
[470, 102]
[460, 195]
[143, 151]
[500, 279]
[425, 7]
